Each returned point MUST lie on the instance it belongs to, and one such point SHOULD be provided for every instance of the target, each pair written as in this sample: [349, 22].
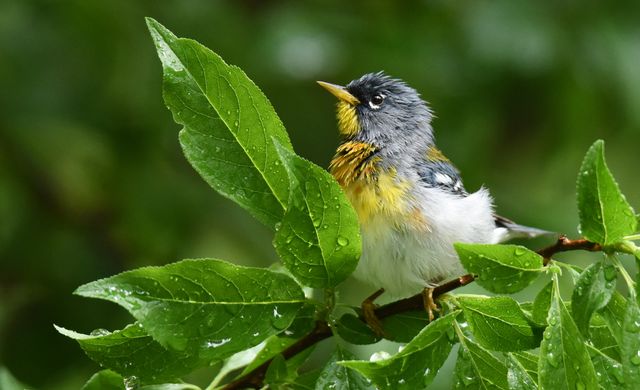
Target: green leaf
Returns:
[605, 215]
[517, 376]
[337, 377]
[8, 382]
[403, 327]
[132, 352]
[602, 338]
[305, 381]
[273, 347]
[169, 386]
[102, 380]
[355, 331]
[477, 368]
[319, 237]
[277, 372]
[501, 268]
[530, 363]
[417, 364]
[592, 292]
[609, 371]
[613, 315]
[541, 305]
[228, 125]
[234, 362]
[630, 345]
[497, 323]
[564, 359]
[208, 308]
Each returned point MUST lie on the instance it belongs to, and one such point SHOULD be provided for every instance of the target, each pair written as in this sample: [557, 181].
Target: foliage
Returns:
[196, 313]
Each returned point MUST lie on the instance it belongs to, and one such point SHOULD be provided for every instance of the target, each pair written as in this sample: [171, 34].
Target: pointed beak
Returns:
[340, 92]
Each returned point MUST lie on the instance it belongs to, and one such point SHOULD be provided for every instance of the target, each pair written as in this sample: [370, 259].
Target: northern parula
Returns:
[410, 200]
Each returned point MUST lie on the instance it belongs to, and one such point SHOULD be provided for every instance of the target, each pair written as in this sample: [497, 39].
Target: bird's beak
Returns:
[340, 92]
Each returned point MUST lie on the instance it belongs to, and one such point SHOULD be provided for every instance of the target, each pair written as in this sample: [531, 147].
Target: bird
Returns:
[409, 197]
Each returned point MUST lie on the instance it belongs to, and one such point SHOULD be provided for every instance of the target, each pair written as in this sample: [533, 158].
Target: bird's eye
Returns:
[376, 101]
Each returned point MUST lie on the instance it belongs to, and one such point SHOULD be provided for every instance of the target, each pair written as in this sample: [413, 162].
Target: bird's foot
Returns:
[429, 305]
[369, 313]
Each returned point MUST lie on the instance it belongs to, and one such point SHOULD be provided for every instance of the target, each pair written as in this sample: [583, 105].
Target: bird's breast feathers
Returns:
[376, 194]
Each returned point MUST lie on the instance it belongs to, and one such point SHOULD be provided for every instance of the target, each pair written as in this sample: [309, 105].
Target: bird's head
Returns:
[381, 111]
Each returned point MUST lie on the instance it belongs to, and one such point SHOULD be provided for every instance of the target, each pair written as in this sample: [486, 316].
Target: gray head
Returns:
[382, 111]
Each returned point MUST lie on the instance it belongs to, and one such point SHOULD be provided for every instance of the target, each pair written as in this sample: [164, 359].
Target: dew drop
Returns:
[343, 241]
[520, 251]
[616, 372]
[216, 343]
[552, 359]
[610, 273]
[131, 382]
[633, 327]
[99, 332]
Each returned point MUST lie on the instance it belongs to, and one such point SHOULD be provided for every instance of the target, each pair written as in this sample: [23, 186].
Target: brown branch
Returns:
[564, 245]
[322, 330]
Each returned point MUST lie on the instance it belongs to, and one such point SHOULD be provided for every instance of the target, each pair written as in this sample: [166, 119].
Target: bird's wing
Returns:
[442, 174]
[506, 230]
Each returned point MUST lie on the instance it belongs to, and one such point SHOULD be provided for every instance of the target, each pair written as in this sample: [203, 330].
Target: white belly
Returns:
[404, 260]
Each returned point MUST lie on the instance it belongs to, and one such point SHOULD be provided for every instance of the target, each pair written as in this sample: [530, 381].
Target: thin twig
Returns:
[255, 378]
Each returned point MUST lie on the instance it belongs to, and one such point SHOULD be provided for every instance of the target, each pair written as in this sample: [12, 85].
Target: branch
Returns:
[322, 330]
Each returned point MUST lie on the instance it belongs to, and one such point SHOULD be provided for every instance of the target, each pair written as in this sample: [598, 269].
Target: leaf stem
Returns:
[625, 275]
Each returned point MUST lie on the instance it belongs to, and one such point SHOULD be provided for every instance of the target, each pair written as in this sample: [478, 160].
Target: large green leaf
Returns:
[630, 346]
[132, 352]
[206, 307]
[228, 125]
[592, 292]
[605, 215]
[498, 323]
[417, 364]
[564, 359]
[517, 376]
[319, 237]
[501, 268]
[477, 368]
[338, 377]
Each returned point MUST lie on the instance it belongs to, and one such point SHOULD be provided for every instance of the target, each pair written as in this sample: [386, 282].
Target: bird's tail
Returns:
[507, 230]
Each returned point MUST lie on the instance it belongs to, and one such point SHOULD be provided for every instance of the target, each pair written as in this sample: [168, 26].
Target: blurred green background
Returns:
[93, 182]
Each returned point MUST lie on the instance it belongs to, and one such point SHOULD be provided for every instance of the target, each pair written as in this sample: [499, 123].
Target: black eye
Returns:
[377, 99]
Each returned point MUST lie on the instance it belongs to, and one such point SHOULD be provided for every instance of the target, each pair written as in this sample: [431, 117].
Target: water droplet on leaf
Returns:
[99, 332]
[131, 383]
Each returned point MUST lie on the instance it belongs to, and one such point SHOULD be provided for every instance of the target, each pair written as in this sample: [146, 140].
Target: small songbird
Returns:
[410, 200]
